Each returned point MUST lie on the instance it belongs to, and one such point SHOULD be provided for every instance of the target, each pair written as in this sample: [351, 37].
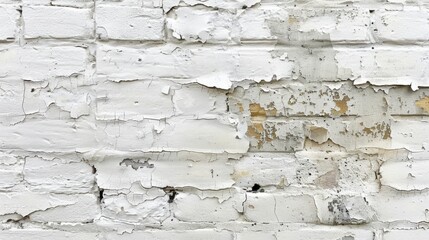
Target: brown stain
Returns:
[256, 127]
[240, 174]
[423, 103]
[257, 111]
[382, 129]
[255, 130]
[341, 105]
[240, 107]
[292, 20]
[387, 133]
[262, 134]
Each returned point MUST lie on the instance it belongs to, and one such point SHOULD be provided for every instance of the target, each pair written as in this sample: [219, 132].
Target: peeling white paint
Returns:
[229, 120]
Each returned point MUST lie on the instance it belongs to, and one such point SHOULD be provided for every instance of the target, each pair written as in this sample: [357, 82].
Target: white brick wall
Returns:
[226, 120]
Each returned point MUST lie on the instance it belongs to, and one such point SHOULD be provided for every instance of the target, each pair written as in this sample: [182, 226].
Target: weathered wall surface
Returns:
[215, 119]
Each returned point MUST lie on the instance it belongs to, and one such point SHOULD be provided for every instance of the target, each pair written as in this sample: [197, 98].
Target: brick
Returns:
[58, 176]
[402, 26]
[190, 64]
[213, 26]
[208, 136]
[289, 134]
[144, 99]
[404, 175]
[308, 169]
[265, 169]
[390, 205]
[132, 23]
[191, 208]
[57, 22]
[383, 66]
[63, 3]
[196, 100]
[326, 234]
[409, 134]
[250, 235]
[17, 202]
[49, 136]
[111, 166]
[76, 99]
[290, 25]
[133, 3]
[274, 22]
[343, 210]
[208, 234]
[9, 16]
[11, 110]
[149, 211]
[154, 170]
[417, 234]
[193, 171]
[11, 171]
[405, 101]
[123, 136]
[273, 135]
[16, 234]
[80, 208]
[311, 99]
[337, 170]
[235, 4]
[265, 207]
[42, 63]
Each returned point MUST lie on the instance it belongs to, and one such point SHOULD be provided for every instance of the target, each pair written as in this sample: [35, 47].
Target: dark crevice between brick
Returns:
[171, 192]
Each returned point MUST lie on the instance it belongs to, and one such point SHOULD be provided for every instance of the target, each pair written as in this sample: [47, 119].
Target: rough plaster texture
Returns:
[214, 119]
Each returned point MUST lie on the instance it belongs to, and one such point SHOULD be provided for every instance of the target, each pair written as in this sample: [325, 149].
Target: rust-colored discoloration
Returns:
[379, 129]
[255, 130]
[263, 134]
[387, 133]
[423, 103]
[237, 175]
[292, 20]
[256, 127]
[240, 107]
[341, 105]
[257, 111]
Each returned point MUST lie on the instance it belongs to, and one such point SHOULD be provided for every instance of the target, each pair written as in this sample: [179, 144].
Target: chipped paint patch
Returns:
[423, 104]
[341, 106]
